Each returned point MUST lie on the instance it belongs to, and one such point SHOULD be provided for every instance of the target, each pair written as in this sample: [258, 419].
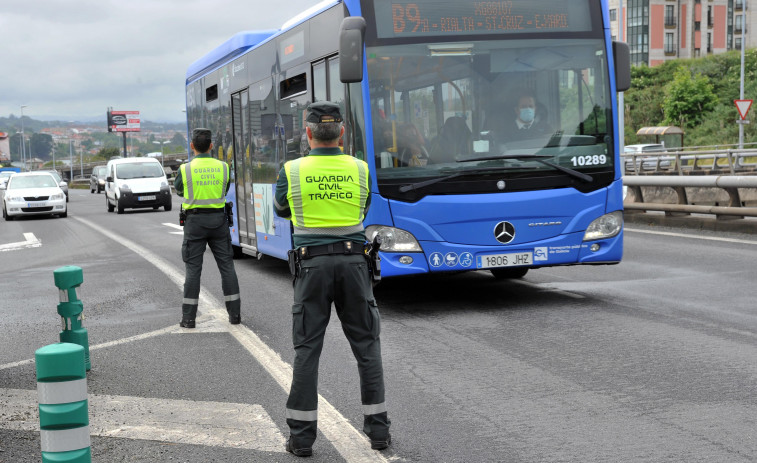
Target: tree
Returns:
[688, 99]
[107, 153]
[179, 140]
[41, 145]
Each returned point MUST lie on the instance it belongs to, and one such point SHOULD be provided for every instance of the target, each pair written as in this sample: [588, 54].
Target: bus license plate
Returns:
[505, 260]
[37, 204]
[146, 198]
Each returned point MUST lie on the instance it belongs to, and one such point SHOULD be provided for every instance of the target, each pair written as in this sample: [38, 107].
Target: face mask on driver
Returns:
[527, 114]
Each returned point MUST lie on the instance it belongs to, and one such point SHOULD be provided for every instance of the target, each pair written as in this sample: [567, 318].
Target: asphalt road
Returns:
[648, 360]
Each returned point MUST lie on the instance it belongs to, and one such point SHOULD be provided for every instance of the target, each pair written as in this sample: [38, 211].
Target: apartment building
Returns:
[660, 30]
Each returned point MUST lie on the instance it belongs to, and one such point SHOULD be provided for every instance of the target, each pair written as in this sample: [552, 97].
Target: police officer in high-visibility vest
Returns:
[203, 183]
[326, 195]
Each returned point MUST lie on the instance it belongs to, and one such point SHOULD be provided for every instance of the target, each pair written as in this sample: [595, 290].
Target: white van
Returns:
[133, 183]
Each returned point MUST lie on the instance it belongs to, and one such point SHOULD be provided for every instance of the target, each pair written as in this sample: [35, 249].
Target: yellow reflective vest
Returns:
[327, 194]
[205, 181]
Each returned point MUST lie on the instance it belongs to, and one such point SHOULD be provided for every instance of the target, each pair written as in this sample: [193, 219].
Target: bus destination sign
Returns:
[417, 18]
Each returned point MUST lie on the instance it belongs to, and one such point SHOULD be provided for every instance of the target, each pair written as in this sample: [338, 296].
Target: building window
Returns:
[670, 19]
[709, 42]
[670, 45]
[738, 43]
[613, 15]
[739, 23]
[638, 31]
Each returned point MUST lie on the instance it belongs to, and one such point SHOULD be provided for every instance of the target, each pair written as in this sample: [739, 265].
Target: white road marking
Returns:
[696, 237]
[215, 424]
[348, 441]
[178, 227]
[31, 242]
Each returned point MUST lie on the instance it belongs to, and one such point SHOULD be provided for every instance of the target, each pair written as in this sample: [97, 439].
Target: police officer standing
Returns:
[326, 195]
[203, 183]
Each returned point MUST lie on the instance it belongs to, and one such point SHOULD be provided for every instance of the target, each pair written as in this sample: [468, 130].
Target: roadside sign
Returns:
[123, 121]
[743, 107]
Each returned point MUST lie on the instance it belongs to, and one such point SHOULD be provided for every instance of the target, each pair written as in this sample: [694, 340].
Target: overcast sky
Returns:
[72, 59]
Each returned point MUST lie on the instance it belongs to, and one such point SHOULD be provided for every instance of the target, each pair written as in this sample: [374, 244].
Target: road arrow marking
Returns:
[31, 242]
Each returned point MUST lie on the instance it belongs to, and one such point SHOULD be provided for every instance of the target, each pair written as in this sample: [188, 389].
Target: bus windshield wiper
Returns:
[425, 183]
[538, 158]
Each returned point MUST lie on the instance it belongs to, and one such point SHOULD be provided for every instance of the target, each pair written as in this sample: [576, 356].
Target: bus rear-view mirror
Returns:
[351, 44]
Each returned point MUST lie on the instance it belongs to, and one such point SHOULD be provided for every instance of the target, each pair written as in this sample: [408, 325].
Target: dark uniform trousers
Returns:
[343, 280]
[209, 229]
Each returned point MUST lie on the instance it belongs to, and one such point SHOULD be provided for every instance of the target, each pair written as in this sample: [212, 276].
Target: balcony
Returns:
[670, 21]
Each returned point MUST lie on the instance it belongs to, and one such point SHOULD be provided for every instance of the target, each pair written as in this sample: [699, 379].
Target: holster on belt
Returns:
[182, 216]
[374, 260]
[293, 258]
[228, 208]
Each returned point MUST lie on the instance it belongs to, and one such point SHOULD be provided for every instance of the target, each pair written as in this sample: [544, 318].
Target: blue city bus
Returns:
[430, 91]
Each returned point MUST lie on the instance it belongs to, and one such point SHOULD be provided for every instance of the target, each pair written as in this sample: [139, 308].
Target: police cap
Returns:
[324, 111]
[201, 133]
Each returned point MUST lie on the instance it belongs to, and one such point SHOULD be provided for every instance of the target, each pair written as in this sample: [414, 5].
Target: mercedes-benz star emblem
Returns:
[504, 232]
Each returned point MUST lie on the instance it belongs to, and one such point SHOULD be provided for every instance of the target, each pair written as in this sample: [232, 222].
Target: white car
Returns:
[647, 162]
[136, 183]
[33, 193]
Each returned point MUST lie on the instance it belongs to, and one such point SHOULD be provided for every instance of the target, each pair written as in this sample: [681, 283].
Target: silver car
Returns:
[63, 185]
[33, 193]
[97, 179]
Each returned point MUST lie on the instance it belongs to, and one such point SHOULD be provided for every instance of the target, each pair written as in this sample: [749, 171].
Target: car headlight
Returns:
[125, 187]
[58, 196]
[604, 227]
[16, 199]
[393, 239]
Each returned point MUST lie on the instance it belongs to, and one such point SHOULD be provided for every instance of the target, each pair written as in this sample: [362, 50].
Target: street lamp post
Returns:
[161, 143]
[71, 158]
[23, 144]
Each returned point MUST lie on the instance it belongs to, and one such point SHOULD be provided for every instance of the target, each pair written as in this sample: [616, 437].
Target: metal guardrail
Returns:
[729, 183]
[732, 161]
[173, 161]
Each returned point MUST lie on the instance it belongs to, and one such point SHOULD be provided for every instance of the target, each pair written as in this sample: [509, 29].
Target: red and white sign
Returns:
[123, 121]
[743, 107]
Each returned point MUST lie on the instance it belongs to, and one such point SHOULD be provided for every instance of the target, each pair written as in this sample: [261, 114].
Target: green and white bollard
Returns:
[67, 279]
[63, 406]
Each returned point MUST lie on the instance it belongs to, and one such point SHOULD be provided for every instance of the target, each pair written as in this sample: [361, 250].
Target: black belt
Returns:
[204, 210]
[340, 247]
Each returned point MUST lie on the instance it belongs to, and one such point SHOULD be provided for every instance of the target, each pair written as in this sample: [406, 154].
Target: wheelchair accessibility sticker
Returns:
[466, 259]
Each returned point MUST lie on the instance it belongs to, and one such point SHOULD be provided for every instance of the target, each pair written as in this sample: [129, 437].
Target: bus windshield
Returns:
[443, 107]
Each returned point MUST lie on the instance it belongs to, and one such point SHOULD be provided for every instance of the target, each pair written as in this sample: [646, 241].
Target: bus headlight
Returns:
[393, 239]
[604, 227]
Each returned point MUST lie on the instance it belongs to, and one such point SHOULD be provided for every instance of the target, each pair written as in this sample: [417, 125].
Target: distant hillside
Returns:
[649, 87]
[13, 124]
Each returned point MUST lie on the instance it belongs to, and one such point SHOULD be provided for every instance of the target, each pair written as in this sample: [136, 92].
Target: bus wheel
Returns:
[509, 273]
